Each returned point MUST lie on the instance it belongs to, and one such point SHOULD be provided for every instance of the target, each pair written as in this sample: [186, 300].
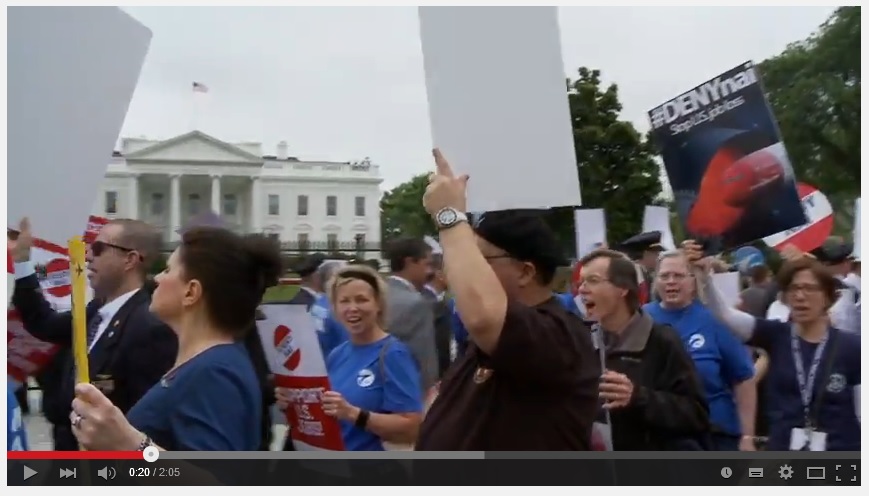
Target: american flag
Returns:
[199, 87]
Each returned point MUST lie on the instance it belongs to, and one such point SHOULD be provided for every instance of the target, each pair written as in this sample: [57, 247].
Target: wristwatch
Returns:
[448, 217]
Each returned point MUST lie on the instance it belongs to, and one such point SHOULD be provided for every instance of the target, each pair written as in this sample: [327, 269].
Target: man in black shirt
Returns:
[528, 381]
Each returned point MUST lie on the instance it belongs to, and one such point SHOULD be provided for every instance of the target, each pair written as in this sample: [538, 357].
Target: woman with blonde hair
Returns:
[376, 392]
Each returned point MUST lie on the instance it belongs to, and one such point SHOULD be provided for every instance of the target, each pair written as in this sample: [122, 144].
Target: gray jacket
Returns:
[410, 318]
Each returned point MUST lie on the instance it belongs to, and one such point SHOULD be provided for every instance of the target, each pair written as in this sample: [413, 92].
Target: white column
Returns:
[215, 194]
[256, 202]
[134, 197]
[175, 207]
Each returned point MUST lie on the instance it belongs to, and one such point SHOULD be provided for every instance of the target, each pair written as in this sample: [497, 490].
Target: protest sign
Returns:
[518, 155]
[589, 225]
[26, 355]
[658, 219]
[71, 75]
[727, 284]
[291, 345]
[732, 180]
[816, 229]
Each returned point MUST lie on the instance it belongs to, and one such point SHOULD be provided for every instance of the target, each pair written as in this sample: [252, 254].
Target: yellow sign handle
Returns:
[78, 280]
[79, 321]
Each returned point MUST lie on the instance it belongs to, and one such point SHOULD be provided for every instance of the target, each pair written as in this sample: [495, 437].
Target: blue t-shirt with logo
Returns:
[721, 360]
[380, 377]
[836, 415]
[16, 434]
[460, 334]
[330, 332]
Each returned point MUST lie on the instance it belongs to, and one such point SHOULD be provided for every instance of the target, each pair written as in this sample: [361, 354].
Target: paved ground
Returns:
[39, 430]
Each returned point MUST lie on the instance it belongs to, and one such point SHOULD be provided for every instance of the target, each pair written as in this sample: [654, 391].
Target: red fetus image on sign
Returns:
[288, 351]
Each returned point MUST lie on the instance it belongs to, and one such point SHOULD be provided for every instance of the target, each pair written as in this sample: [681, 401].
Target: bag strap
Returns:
[828, 367]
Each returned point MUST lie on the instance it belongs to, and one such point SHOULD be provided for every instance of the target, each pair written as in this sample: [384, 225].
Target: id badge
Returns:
[818, 441]
[799, 439]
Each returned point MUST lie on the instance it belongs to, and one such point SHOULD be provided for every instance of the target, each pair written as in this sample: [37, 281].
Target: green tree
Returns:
[814, 89]
[402, 213]
[617, 168]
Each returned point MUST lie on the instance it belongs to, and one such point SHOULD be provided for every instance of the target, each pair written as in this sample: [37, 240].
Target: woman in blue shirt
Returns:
[376, 390]
[211, 400]
[723, 363]
[813, 383]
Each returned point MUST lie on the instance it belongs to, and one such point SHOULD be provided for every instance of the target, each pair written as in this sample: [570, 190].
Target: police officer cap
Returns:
[310, 264]
[835, 250]
[647, 241]
[524, 235]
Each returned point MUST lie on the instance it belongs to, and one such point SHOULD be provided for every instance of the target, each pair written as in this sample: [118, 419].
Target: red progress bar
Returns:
[74, 455]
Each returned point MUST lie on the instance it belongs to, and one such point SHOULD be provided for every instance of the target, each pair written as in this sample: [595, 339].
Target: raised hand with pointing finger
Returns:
[445, 189]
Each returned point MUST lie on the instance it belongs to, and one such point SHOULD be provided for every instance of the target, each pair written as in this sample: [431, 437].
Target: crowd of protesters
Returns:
[467, 349]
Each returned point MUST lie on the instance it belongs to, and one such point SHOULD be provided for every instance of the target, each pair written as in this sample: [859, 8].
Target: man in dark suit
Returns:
[129, 349]
[435, 292]
[311, 285]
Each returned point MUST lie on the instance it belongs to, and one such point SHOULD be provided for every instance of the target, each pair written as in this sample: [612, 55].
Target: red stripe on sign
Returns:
[74, 455]
[10, 265]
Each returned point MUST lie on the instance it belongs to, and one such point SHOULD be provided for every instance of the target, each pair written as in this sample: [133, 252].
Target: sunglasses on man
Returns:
[99, 247]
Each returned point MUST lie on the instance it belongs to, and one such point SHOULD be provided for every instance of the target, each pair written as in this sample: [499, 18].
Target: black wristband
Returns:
[362, 419]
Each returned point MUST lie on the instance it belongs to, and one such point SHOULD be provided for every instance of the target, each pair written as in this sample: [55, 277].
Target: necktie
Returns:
[92, 327]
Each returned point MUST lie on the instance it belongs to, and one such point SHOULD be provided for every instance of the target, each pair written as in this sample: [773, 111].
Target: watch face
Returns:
[447, 217]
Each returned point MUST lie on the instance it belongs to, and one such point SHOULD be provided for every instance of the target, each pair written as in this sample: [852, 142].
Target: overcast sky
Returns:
[347, 83]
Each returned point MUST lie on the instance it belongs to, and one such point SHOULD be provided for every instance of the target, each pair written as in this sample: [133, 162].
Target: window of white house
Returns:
[230, 204]
[157, 207]
[302, 239]
[360, 206]
[302, 205]
[111, 202]
[331, 206]
[193, 203]
[274, 205]
[332, 241]
[275, 237]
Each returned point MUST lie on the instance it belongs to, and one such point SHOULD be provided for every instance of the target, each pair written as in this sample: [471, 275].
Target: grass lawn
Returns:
[283, 292]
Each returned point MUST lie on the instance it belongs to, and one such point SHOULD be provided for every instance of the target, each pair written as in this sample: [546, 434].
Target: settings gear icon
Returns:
[786, 472]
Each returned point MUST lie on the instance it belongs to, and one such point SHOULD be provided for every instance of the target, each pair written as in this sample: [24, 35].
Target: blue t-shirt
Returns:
[213, 402]
[16, 434]
[721, 360]
[330, 332]
[374, 380]
[460, 334]
[836, 416]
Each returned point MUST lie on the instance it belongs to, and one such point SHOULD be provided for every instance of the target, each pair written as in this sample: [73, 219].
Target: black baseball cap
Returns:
[524, 235]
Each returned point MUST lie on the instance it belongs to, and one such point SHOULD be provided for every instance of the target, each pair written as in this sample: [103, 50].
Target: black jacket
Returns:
[668, 411]
[129, 357]
[255, 350]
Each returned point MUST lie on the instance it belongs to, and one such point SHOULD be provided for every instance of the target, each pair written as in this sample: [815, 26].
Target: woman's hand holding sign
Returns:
[100, 425]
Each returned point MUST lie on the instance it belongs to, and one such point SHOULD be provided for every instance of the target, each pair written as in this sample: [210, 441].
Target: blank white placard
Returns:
[71, 76]
[658, 219]
[590, 227]
[498, 104]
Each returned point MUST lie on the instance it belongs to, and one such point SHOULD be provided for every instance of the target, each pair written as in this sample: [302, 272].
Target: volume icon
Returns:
[107, 473]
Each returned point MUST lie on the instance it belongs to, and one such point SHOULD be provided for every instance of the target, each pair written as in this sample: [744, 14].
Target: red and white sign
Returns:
[811, 235]
[95, 223]
[26, 355]
[290, 342]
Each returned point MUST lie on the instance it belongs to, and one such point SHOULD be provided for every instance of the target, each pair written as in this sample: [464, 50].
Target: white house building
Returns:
[165, 183]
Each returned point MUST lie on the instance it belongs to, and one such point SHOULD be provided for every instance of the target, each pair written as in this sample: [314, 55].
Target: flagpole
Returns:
[198, 91]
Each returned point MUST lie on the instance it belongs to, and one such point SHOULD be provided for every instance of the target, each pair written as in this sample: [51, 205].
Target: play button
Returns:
[28, 472]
